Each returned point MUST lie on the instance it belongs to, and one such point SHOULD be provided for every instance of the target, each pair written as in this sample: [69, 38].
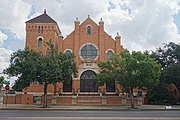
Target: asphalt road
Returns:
[88, 115]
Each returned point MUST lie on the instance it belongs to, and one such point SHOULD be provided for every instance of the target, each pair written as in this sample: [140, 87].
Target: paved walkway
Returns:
[74, 107]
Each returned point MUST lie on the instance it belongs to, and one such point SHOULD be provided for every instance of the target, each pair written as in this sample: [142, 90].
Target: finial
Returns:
[76, 20]
[101, 20]
[45, 11]
[88, 16]
[118, 35]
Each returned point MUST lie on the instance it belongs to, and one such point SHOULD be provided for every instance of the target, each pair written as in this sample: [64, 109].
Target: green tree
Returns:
[157, 94]
[169, 57]
[49, 68]
[1, 82]
[131, 70]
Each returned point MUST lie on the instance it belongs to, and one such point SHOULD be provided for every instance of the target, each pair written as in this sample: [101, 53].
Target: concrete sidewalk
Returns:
[87, 108]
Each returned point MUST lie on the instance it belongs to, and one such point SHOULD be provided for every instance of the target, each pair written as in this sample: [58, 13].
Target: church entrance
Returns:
[88, 82]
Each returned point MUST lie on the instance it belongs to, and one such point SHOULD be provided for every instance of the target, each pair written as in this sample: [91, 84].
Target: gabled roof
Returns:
[44, 18]
[90, 20]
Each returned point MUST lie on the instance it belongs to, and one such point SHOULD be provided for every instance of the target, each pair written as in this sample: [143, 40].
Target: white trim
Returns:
[81, 72]
[110, 50]
[110, 93]
[67, 50]
[68, 93]
[88, 25]
[40, 37]
[38, 93]
[10, 95]
[96, 93]
[88, 44]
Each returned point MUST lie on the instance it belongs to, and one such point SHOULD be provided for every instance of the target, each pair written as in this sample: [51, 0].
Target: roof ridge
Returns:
[43, 18]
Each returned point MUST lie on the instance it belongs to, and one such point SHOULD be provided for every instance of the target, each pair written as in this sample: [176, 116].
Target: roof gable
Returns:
[44, 18]
[88, 21]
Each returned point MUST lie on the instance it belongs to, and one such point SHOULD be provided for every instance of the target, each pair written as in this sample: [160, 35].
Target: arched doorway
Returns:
[88, 82]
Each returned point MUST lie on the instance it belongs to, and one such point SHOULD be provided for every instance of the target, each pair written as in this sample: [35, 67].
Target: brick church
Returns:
[90, 44]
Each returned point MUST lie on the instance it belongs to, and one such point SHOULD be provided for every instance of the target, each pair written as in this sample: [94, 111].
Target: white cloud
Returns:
[64, 12]
[2, 37]
[4, 53]
[13, 16]
[4, 56]
[143, 24]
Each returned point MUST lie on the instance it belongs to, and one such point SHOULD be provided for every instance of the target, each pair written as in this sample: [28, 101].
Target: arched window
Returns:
[68, 51]
[39, 29]
[88, 81]
[109, 54]
[40, 42]
[88, 30]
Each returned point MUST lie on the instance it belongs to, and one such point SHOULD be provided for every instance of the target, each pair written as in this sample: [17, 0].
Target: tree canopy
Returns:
[49, 68]
[169, 57]
[1, 82]
[1, 79]
[130, 70]
[168, 54]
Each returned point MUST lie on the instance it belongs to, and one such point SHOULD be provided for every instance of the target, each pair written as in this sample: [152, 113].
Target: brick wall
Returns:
[9, 99]
[114, 100]
[66, 100]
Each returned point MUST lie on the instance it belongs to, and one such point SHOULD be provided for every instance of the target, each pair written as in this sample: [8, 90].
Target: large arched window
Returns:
[109, 54]
[40, 42]
[89, 51]
[88, 30]
[88, 81]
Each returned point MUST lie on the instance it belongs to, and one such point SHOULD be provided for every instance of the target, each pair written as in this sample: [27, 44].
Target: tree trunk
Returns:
[132, 98]
[45, 95]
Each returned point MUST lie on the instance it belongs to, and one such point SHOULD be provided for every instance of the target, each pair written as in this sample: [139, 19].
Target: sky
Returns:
[142, 24]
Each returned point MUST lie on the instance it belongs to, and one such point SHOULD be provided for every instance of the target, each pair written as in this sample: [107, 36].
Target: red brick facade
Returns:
[74, 43]
[86, 35]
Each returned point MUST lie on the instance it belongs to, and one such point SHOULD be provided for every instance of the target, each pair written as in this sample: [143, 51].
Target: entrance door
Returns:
[88, 82]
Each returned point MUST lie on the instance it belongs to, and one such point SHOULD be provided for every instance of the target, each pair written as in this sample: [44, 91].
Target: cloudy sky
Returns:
[143, 24]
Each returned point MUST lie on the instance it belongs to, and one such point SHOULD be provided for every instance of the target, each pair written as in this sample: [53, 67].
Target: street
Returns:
[88, 115]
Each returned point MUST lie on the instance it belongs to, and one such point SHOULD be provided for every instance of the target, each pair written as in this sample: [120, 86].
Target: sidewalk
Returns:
[88, 108]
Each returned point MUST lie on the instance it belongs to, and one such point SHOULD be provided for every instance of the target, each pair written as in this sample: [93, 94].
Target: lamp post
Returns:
[7, 88]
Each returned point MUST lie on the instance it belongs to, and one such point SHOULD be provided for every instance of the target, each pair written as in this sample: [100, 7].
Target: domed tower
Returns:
[40, 30]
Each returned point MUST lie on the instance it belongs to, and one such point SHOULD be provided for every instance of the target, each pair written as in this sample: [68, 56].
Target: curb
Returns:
[79, 109]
